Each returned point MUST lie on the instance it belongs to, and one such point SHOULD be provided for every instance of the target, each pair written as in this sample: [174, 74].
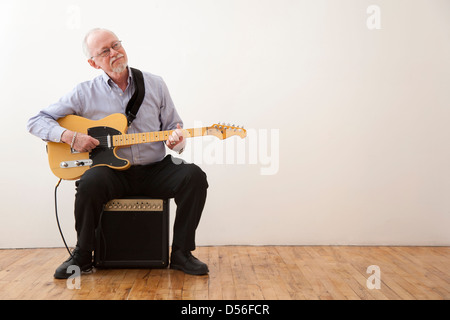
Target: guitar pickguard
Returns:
[104, 153]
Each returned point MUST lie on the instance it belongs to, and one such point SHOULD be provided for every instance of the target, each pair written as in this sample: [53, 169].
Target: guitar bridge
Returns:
[76, 164]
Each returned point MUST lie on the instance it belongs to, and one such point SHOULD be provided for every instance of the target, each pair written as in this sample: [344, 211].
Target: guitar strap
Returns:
[136, 100]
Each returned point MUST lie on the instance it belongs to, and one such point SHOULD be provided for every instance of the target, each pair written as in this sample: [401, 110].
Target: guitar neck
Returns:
[123, 140]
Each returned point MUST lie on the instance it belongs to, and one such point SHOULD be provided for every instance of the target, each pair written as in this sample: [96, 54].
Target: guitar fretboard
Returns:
[129, 139]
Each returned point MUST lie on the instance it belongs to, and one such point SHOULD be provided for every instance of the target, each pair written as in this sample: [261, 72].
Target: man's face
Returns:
[116, 61]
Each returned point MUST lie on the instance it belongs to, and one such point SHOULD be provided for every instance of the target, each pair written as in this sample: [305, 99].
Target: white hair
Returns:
[86, 49]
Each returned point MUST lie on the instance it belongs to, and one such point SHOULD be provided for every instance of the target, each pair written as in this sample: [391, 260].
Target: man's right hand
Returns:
[82, 143]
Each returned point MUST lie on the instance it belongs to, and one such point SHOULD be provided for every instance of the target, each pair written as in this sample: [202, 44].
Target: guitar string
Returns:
[155, 134]
[135, 136]
[104, 139]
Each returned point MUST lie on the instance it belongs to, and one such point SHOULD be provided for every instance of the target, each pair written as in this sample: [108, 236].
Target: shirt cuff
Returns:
[55, 134]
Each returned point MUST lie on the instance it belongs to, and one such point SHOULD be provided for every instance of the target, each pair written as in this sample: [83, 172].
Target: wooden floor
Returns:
[242, 273]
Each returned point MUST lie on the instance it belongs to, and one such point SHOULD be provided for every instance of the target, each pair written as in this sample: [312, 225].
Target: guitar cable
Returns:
[59, 226]
[57, 219]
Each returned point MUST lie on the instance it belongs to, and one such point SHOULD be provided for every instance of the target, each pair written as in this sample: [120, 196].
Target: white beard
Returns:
[121, 66]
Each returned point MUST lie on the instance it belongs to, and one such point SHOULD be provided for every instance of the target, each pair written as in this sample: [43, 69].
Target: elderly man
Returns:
[152, 173]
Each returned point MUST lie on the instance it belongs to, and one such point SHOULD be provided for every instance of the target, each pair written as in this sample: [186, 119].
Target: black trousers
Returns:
[169, 178]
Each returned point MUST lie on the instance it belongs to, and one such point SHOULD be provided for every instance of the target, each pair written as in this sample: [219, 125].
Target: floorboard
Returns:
[242, 273]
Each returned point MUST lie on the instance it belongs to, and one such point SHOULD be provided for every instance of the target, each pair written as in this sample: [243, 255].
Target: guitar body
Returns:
[69, 165]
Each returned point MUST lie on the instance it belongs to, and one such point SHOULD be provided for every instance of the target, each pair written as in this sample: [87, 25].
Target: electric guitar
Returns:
[110, 131]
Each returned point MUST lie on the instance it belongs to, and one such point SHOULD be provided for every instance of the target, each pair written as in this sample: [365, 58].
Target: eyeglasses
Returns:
[106, 53]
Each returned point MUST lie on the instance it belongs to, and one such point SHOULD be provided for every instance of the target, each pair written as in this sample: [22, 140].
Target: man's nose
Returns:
[113, 52]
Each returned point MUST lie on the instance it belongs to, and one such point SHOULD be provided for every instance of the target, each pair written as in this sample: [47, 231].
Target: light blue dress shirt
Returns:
[101, 97]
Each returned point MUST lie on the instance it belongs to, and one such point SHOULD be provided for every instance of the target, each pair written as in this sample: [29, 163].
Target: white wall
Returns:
[348, 126]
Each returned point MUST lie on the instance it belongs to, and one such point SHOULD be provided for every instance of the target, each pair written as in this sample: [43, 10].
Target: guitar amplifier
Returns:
[133, 233]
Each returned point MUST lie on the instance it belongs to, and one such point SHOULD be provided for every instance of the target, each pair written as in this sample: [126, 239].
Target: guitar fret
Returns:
[117, 140]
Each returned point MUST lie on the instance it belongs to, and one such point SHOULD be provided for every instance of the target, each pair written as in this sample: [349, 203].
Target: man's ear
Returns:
[93, 64]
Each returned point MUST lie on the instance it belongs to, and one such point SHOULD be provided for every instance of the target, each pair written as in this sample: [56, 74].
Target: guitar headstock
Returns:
[223, 131]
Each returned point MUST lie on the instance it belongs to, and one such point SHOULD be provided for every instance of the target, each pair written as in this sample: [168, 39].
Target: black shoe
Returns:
[82, 259]
[186, 262]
